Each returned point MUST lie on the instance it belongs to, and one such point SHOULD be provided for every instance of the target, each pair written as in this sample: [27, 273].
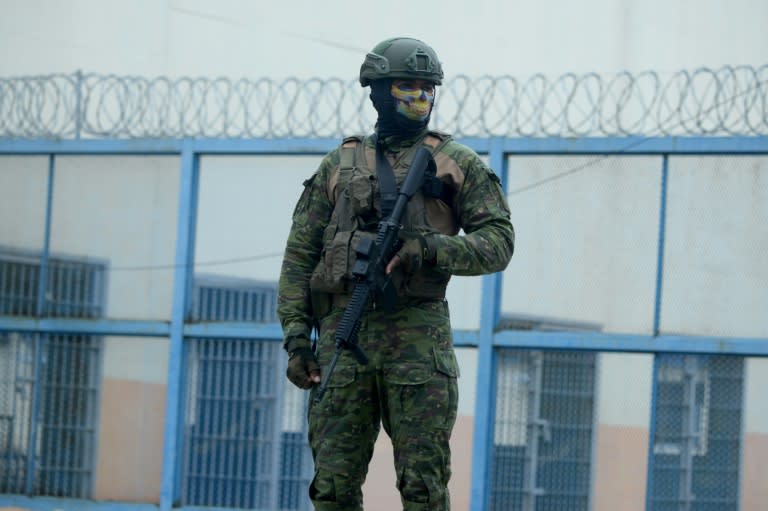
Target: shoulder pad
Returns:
[352, 140]
[442, 135]
[347, 152]
[436, 140]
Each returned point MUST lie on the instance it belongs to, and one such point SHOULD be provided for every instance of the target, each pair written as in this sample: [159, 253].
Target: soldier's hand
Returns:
[303, 369]
[412, 254]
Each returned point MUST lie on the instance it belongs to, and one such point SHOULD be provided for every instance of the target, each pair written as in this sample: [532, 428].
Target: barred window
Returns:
[244, 430]
[545, 413]
[697, 439]
[49, 384]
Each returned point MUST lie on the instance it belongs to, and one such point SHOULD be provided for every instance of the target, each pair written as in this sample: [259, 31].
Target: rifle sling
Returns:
[433, 187]
[387, 184]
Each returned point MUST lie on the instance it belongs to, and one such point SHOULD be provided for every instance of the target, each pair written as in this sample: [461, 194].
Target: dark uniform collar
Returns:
[397, 143]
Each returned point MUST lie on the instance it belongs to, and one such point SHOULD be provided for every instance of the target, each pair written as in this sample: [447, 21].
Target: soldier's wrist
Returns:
[295, 343]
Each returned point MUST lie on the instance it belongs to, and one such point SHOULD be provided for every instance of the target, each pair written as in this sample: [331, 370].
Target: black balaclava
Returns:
[390, 122]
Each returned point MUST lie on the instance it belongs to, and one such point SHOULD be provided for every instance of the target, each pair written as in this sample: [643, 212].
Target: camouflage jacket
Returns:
[480, 210]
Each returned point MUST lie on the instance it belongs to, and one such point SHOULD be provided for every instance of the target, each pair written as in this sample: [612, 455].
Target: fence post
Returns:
[485, 404]
[661, 242]
[79, 113]
[185, 243]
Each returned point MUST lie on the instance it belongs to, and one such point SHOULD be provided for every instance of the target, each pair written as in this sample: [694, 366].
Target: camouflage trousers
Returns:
[409, 386]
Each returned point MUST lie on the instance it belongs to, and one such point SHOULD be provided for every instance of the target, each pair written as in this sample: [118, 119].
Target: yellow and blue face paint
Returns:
[413, 98]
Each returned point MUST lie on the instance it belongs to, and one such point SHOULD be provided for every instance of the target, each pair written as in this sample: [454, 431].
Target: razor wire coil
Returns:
[731, 100]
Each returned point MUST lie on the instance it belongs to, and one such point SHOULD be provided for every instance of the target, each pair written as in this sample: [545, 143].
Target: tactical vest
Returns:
[353, 188]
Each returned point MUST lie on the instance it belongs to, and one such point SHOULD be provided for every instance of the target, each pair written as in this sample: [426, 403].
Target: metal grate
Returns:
[74, 288]
[543, 431]
[697, 433]
[69, 397]
[221, 299]
[49, 388]
[19, 282]
[244, 436]
[231, 440]
[17, 355]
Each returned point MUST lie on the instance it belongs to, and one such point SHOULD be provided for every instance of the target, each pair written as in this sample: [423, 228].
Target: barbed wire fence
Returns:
[731, 100]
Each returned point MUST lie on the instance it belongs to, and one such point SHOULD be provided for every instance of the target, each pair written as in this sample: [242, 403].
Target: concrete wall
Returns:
[586, 244]
[23, 188]
[124, 210]
[304, 38]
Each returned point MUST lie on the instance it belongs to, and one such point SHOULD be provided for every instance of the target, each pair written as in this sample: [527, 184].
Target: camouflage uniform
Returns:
[410, 382]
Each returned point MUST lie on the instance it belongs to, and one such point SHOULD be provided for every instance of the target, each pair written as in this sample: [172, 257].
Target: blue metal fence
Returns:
[558, 383]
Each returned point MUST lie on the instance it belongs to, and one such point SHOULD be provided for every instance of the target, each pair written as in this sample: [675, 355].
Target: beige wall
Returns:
[754, 477]
[620, 468]
[130, 452]
[132, 420]
[130, 456]
[129, 463]
[620, 474]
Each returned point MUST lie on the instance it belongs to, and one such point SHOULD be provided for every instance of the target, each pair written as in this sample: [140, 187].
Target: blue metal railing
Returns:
[488, 338]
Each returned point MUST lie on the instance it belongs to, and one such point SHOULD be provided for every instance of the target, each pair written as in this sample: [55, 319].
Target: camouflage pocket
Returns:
[338, 402]
[329, 274]
[343, 376]
[409, 374]
[416, 373]
[445, 362]
[424, 395]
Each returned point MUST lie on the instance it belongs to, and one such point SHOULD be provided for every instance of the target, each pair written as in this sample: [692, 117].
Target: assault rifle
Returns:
[368, 270]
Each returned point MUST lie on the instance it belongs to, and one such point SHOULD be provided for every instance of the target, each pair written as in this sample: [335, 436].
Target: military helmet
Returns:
[401, 57]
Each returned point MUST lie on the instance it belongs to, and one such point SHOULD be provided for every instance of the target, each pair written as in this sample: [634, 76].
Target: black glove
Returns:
[413, 253]
[303, 369]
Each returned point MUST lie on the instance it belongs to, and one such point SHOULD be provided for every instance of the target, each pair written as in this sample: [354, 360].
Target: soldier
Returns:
[410, 382]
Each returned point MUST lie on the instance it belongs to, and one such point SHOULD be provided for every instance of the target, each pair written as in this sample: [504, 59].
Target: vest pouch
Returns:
[331, 272]
[363, 196]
